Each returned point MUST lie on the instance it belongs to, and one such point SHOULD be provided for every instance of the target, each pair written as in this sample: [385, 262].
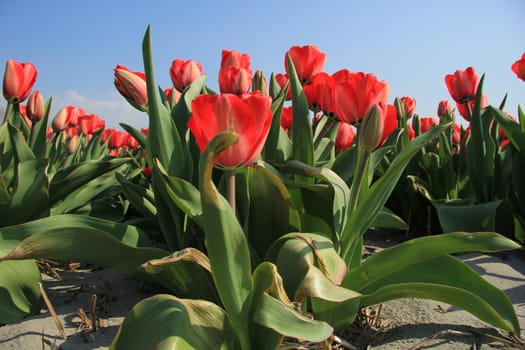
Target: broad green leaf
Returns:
[491, 216]
[226, 243]
[166, 322]
[387, 219]
[374, 200]
[271, 212]
[122, 248]
[302, 136]
[67, 180]
[19, 294]
[164, 141]
[22, 151]
[460, 286]
[187, 273]
[513, 130]
[277, 145]
[419, 250]
[29, 198]
[140, 197]
[276, 315]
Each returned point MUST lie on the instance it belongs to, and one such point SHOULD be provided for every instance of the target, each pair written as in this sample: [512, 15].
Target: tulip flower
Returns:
[132, 85]
[90, 123]
[408, 105]
[444, 107]
[426, 123]
[249, 116]
[307, 60]
[118, 139]
[462, 85]
[465, 109]
[345, 137]
[169, 92]
[183, 73]
[67, 116]
[234, 80]
[379, 123]
[519, 67]
[232, 58]
[286, 118]
[355, 96]
[35, 106]
[320, 94]
[19, 79]
[282, 80]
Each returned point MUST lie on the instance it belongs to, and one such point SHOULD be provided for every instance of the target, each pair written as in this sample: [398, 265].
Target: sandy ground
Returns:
[408, 323]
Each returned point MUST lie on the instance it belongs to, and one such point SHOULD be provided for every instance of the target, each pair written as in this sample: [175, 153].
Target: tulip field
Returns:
[248, 206]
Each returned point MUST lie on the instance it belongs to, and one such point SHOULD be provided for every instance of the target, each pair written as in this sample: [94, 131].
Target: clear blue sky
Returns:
[411, 44]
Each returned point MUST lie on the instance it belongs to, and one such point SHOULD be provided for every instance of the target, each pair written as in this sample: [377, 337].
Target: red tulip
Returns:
[465, 111]
[132, 85]
[307, 60]
[345, 137]
[462, 85]
[519, 67]
[90, 123]
[282, 79]
[286, 118]
[67, 116]
[426, 123]
[118, 139]
[320, 94]
[35, 106]
[408, 105]
[456, 134]
[355, 96]
[411, 132]
[183, 73]
[232, 58]
[444, 107]
[169, 92]
[234, 80]
[248, 115]
[19, 79]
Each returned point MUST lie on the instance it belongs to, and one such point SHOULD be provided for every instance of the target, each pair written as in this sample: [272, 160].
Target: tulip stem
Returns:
[229, 176]
[363, 158]
[8, 112]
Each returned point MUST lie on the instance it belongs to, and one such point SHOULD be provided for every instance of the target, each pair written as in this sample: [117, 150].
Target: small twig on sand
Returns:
[52, 311]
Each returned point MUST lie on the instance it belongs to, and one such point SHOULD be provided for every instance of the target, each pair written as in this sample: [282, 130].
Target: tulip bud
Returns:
[132, 85]
[259, 83]
[35, 106]
[19, 79]
[60, 120]
[72, 144]
[371, 130]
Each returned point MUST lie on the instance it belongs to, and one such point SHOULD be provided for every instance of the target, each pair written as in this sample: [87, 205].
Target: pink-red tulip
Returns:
[234, 80]
[444, 107]
[232, 58]
[19, 79]
[519, 67]
[132, 85]
[35, 106]
[282, 80]
[355, 96]
[308, 61]
[67, 116]
[345, 137]
[169, 92]
[249, 116]
[183, 73]
[378, 124]
[286, 118]
[426, 123]
[462, 85]
[90, 123]
[466, 111]
[408, 106]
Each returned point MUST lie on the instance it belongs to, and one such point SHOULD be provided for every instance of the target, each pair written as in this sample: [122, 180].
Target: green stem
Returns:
[8, 112]
[363, 159]
[229, 176]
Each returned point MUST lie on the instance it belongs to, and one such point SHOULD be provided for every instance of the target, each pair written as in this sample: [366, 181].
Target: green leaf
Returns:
[22, 151]
[187, 273]
[122, 248]
[371, 202]
[166, 322]
[19, 294]
[271, 212]
[276, 147]
[276, 315]
[141, 198]
[460, 286]
[29, 196]
[387, 219]
[302, 136]
[67, 180]
[226, 243]
[491, 216]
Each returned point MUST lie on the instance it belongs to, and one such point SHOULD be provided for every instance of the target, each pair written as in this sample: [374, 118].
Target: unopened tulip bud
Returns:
[259, 82]
[19, 79]
[371, 130]
[35, 106]
[72, 144]
[60, 120]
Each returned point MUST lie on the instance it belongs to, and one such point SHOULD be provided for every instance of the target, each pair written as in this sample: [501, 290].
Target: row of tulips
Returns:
[264, 223]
